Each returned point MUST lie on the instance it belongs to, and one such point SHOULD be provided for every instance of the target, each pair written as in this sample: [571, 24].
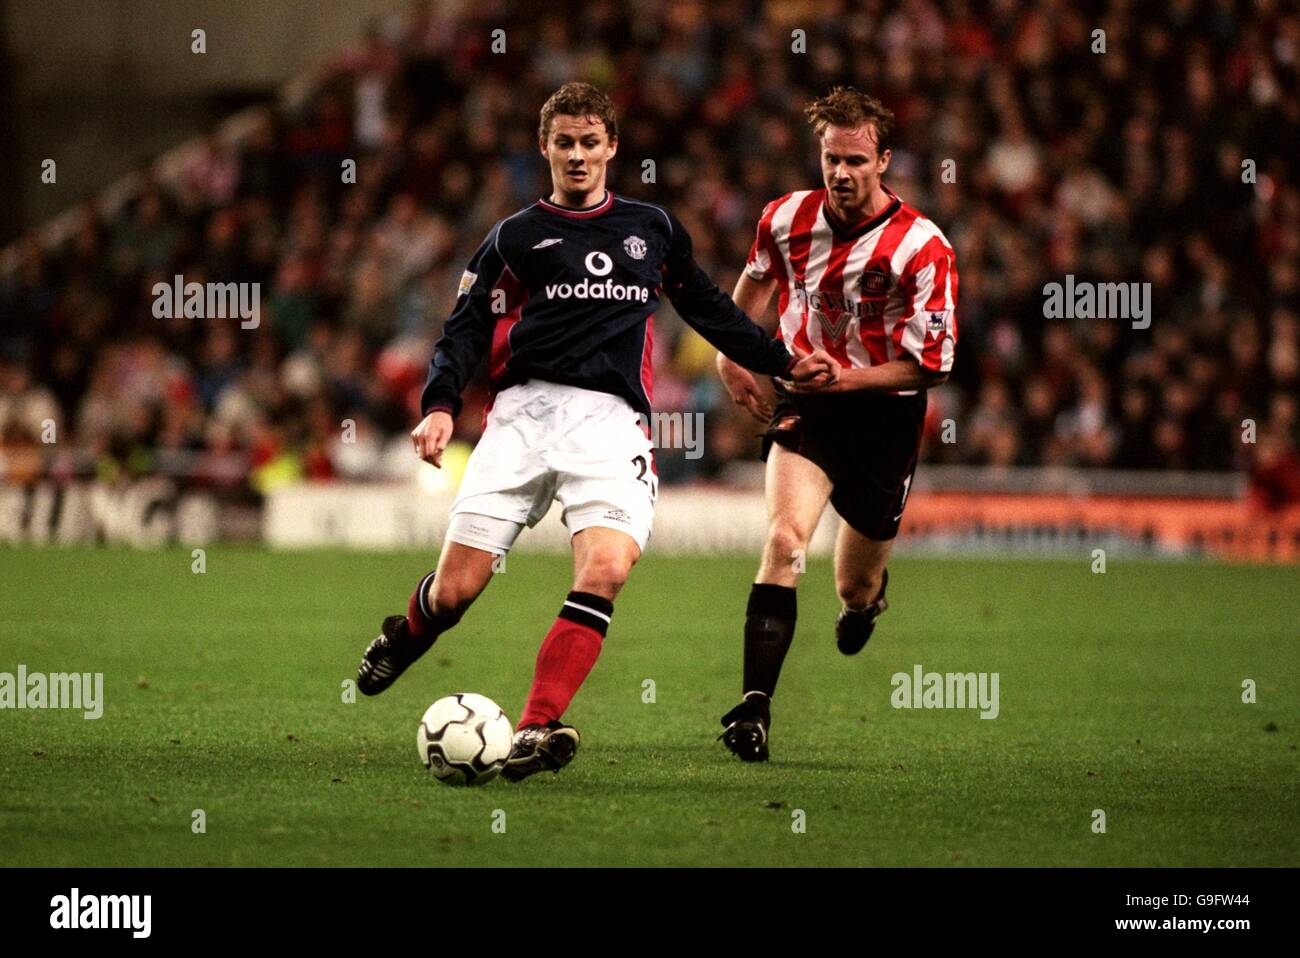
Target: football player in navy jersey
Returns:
[561, 298]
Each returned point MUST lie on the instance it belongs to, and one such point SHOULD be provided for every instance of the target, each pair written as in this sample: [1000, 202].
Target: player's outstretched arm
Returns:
[713, 314]
[817, 368]
[752, 295]
[745, 389]
[897, 374]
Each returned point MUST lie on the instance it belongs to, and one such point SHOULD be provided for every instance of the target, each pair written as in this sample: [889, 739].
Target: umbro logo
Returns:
[547, 242]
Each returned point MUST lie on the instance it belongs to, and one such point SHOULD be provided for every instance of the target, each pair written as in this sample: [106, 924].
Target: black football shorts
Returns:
[866, 442]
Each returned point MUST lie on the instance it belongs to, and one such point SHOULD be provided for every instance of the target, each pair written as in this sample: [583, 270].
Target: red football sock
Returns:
[418, 615]
[566, 656]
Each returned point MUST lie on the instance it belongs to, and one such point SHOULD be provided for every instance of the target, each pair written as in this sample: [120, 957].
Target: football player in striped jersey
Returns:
[863, 276]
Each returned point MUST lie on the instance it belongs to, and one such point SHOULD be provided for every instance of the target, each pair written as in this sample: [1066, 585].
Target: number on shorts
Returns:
[643, 468]
[907, 487]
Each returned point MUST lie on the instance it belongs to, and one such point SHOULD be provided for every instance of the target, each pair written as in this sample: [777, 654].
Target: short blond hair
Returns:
[852, 109]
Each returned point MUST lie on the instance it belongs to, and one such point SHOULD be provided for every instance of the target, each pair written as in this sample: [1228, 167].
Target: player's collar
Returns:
[838, 228]
[577, 213]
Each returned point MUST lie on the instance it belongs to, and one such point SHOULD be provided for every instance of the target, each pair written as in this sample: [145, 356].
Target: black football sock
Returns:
[769, 630]
[422, 623]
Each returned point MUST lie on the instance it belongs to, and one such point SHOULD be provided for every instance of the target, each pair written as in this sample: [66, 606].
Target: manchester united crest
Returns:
[635, 247]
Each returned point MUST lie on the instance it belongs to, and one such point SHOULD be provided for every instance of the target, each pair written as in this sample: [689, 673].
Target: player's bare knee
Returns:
[447, 605]
[454, 594]
[786, 543]
[603, 574]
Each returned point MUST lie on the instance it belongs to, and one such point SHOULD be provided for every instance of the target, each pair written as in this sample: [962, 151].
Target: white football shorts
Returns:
[547, 442]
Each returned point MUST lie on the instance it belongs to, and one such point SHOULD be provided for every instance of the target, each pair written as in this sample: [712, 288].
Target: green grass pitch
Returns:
[223, 692]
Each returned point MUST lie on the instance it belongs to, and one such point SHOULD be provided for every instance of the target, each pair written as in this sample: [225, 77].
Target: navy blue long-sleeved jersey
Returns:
[569, 296]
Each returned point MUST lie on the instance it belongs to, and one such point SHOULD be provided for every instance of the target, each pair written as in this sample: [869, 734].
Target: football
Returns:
[464, 739]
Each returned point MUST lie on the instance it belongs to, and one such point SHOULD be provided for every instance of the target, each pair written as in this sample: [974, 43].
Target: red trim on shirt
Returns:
[648, 361]
[578, 214]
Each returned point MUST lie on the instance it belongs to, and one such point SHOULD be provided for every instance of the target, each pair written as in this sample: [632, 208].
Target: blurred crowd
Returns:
[1167, 159]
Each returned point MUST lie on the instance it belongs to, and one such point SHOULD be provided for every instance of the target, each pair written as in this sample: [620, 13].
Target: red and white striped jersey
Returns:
[885, 290]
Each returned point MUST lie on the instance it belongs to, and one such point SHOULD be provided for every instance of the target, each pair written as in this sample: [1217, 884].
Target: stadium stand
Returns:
[1125, 166]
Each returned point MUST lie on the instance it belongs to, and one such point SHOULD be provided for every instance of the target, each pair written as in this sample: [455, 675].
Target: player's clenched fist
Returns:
[432, 435]
[816, 370]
